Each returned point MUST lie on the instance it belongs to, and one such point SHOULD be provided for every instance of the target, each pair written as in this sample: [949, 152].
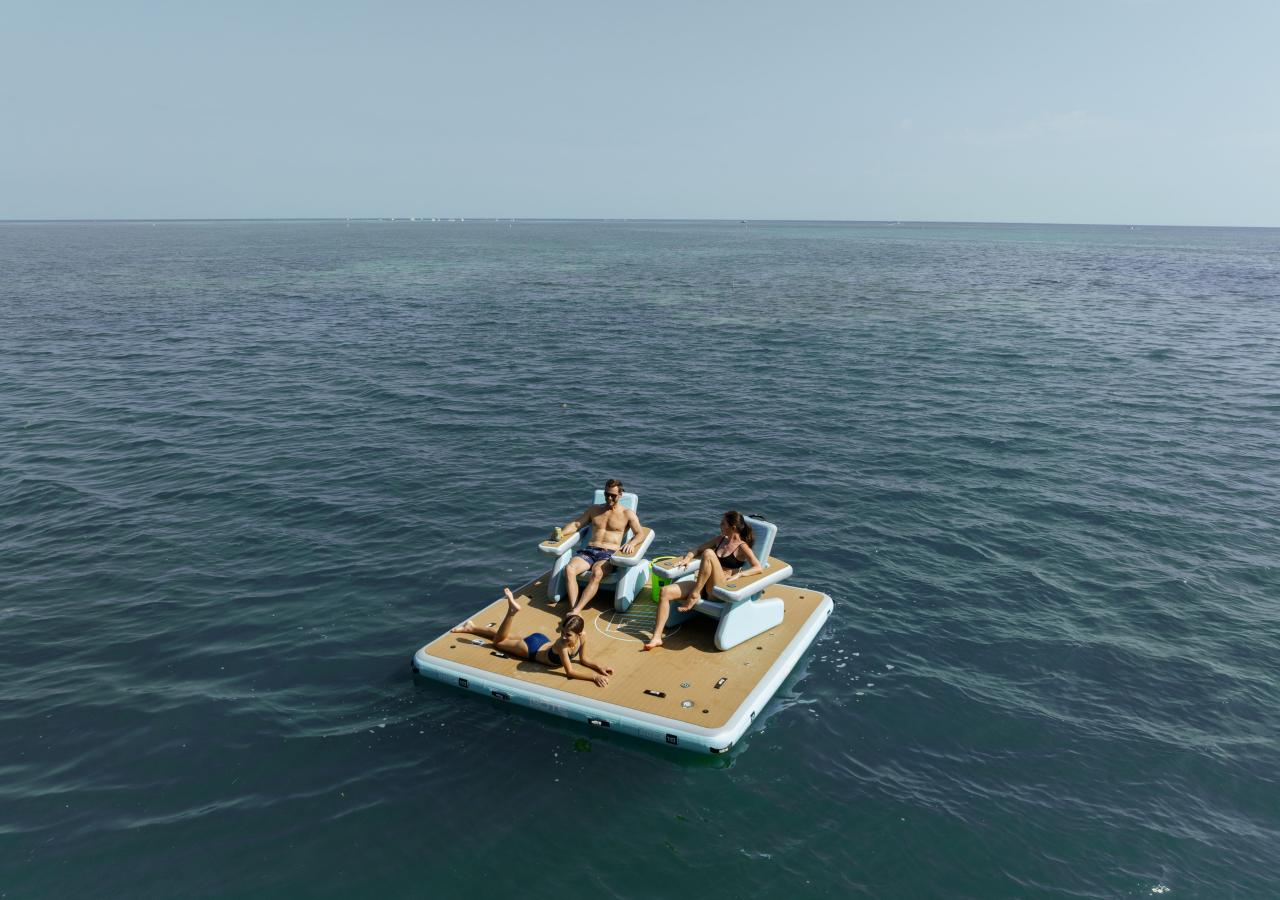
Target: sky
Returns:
[1124, 111]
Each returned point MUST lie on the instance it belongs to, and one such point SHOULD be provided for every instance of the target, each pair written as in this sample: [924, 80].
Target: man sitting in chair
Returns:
[609, 523]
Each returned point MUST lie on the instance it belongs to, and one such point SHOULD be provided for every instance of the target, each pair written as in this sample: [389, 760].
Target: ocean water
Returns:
[247, 468]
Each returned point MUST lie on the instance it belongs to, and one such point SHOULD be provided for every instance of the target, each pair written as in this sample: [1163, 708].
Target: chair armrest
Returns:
[749, 587]
[634, 559]
[568, 542]
[670, 571]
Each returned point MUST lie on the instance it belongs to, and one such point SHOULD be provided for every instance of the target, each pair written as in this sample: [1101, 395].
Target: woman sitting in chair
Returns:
[570, 646]
[724, 559]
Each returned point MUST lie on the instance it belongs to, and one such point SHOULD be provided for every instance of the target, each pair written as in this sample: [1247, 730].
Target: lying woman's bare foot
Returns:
[464, 628]
[652, 645]
[512, 603]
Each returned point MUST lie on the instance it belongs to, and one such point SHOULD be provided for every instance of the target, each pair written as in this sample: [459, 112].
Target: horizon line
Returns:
[598, 220]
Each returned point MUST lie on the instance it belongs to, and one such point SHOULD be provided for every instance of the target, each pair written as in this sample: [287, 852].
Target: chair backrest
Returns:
[628, 499]
[765, 533]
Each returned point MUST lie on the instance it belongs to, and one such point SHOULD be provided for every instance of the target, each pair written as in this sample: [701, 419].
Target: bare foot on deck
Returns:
[512, 603]
[464, 628]
[653, 644]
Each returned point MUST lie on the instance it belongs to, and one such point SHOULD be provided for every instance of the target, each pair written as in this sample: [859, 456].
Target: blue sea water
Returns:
[246, 468]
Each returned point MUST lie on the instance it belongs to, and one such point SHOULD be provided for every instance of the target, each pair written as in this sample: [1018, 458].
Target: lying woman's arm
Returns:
[586, 661]
[570, 672]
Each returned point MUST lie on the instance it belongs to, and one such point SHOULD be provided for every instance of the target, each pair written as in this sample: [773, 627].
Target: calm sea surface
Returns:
[247, 468]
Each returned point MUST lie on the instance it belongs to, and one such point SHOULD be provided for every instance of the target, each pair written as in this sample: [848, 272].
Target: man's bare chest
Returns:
[610, 520]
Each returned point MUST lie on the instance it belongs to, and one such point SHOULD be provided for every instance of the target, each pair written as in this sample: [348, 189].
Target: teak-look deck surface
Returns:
[686, 668]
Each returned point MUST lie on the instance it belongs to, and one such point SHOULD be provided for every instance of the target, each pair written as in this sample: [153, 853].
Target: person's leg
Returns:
[669, 594]
[576, 567]
[593, 585]
[513, 607]
[719, 577]
[513, 646]
[709, 575]
[470, 627]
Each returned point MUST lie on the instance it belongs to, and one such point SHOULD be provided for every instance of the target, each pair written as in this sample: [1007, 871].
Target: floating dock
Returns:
[686, 694]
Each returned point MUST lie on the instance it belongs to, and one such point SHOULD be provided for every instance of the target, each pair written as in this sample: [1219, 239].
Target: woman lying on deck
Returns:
[724, 559]
[540, 648]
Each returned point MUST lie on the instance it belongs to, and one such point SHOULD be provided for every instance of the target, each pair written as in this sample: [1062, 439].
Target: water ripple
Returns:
[248, 467]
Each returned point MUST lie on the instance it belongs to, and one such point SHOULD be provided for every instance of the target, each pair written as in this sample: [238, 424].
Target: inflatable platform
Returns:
[688, 694]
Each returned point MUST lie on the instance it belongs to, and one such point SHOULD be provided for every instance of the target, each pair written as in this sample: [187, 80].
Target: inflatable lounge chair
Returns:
[742, 608]
[630, 573]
